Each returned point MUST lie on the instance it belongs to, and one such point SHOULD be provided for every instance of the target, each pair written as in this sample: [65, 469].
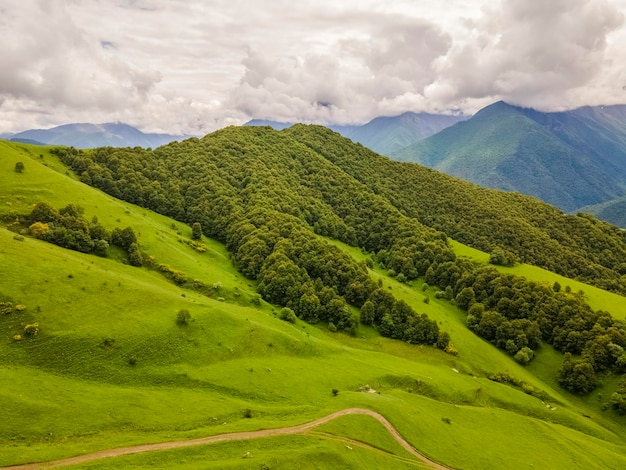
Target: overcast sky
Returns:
[191, 66]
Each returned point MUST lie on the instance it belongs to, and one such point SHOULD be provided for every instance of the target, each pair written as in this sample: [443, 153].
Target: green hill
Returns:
[570, 159]
[111, 366]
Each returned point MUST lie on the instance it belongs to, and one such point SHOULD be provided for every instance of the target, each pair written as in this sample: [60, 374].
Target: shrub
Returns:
[196, 231]
[287, 314]
[332, 327]
[335, 392]
[19, 167]
[524, 355]
[6, 307]
[31, 329]
[183, 317]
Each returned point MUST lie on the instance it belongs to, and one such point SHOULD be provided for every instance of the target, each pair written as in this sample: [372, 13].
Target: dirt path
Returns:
[235, 436]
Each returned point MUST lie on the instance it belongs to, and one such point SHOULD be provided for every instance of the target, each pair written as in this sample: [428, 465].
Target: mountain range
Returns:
[575, 160]
[570, 159]
[385, 134]
[85, 135]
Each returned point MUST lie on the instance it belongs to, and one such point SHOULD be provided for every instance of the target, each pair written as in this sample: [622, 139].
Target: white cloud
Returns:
[194, 66]
[530, 53]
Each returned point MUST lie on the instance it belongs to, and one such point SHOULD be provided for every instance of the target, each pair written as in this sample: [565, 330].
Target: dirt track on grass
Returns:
[235, 436]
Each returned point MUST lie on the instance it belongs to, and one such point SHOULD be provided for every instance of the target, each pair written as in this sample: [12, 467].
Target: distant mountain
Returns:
[6, 135]
[613, 211]
[385, 134]
[570, 159]
[112, 134]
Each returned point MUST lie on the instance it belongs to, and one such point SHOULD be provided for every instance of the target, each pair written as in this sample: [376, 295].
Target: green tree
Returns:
[196, 231]
[367, 313]
[19, 167]
[577, 376]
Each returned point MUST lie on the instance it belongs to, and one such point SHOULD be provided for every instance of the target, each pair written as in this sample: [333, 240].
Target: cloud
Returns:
[384, 68]
[46, 58]
[530, 53]
[193, 66]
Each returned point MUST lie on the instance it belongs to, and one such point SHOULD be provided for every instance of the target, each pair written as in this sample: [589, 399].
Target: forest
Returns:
[269, 196]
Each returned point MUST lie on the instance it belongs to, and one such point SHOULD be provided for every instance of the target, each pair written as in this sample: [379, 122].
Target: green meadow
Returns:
[111, 367]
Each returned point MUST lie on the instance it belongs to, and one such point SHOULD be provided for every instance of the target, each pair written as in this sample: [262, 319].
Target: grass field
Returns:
[111, 368]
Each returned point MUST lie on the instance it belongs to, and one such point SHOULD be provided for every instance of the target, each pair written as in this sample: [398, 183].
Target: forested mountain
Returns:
[333, 186]
[386, 134]
[570, 159]
[613, 211]
[389, 134]
[112, 134]
[267, 195]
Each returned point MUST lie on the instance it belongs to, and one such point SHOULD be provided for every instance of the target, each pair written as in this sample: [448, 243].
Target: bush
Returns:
[31, 329]
[196, 231]
[183, 317]
[524, 355]
[287, 314]
[19, 167]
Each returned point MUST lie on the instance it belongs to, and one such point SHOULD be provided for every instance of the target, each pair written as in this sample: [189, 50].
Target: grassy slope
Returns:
[65, 393]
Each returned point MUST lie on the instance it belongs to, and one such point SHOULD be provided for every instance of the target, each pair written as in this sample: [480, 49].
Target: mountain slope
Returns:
[236, 366]
[613, 211]
[534, 231]
[386, 135]
[568, 159]
[95, 135]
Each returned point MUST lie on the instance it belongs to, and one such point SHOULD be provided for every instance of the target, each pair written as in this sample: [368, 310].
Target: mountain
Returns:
[113, 134]
[570, 159]
[165, 335]
[613, 211]
[385, 134]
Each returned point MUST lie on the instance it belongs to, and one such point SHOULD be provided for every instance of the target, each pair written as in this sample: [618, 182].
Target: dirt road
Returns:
[235, 436]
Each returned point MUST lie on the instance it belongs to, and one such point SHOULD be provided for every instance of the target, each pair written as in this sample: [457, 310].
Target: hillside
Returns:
[113, 367]
[570, 159]
[613, 211]
[112, 134]
[389, 134]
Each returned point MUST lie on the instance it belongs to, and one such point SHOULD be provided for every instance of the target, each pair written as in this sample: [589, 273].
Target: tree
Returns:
[287, 314]
[367, 313]
[465, 298]
[19, 167]
[577, 376]
[134, 255]
[524, 355]
[196, 231]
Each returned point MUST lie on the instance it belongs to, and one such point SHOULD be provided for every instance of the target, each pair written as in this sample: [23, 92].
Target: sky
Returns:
[192, 66]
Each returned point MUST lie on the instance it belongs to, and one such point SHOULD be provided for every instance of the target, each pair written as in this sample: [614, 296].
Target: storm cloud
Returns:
[193, 66]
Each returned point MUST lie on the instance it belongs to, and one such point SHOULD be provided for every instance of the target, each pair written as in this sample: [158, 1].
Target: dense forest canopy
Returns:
[268, 194]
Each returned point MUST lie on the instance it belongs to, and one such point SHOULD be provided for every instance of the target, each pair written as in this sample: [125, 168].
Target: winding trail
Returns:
[235, 436]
